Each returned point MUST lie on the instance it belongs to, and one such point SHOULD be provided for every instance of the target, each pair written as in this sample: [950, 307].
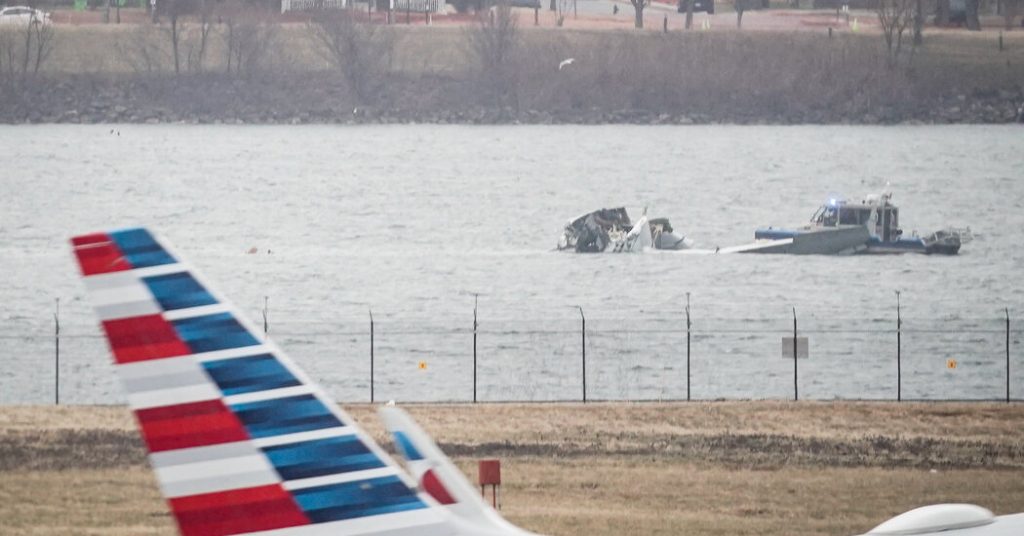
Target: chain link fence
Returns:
[582, 356]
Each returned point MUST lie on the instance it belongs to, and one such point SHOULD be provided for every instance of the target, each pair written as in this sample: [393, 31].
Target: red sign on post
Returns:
[490, 472]
[490, 475]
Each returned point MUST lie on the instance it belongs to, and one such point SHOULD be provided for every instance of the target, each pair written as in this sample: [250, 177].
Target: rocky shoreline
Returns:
[206, 100]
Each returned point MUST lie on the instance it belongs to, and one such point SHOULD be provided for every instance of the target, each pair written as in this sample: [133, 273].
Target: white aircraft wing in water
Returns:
[240, 439]
[439, 476]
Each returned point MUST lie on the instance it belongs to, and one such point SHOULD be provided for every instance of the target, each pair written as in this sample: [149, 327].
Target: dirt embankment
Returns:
[740, 435]
[321, 99]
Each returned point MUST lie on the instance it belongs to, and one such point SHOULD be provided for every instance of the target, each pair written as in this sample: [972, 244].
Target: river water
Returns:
[413, 221]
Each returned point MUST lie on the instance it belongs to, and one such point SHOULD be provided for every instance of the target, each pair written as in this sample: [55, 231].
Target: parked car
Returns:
[708, 6]
[23, 15]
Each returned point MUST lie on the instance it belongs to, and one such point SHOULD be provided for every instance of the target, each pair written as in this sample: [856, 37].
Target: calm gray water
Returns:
[411, 221]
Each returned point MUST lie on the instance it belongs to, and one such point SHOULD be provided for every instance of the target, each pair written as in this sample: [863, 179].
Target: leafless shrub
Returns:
[737, 75]
[44, 43]
[176, 10]
[361, 51]
[493, 41]
[894, 16]
[198, 37]
[248, 37]
[145, 51]
[23, 50]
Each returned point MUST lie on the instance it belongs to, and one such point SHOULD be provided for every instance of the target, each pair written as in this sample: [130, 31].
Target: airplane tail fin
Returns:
[438, 476]
[241, 440]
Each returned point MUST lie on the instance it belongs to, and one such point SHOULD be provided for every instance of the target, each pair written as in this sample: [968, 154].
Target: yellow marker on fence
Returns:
[951, 364]
[423, 365]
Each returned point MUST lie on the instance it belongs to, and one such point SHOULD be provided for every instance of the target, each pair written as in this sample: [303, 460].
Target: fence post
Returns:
[688, 325]
[56, 353]
[371, 355]
[1007, 310]
[583, 333]
[266, 325]
[899, 350]
[476, 298]
[796, 389]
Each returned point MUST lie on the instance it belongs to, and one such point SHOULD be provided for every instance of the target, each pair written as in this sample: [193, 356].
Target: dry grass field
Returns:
[708, 468]
[106, 49]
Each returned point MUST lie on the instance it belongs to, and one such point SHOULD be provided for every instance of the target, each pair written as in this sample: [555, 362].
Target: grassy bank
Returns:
[731, 468]
[434, 74]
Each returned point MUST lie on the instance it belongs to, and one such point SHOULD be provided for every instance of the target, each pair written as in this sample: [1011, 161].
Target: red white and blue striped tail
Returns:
[240, 439]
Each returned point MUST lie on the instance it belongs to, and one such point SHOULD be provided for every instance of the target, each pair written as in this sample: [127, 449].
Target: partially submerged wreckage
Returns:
[837, 228]
[610, 229]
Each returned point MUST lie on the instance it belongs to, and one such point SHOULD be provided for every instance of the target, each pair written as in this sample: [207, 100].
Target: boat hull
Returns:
[837, 240]
[813, 241]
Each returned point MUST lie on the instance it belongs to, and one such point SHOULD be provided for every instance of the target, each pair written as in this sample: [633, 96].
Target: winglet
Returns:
[439, 477]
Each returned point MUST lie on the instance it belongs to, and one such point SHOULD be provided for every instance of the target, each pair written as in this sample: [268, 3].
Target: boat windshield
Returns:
[826, 215]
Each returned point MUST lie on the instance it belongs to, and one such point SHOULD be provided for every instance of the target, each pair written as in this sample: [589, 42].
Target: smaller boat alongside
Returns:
[870, 226]
[611, 230]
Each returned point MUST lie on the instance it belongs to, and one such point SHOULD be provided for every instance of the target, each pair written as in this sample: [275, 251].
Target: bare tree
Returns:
[360, 51]
[7, 55]
[175, 9]
[638, 11]
[197, 50]
[894, 16]
[493, 41]
[971, 15]
[942, 9]
[144, 51]
[1010, 8]
[918, 22]
[44, 36]
[248, 36]
[563, 9]
[24, 50]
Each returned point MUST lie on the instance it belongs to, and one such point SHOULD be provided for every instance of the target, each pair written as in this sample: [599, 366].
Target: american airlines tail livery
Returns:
[243, 442]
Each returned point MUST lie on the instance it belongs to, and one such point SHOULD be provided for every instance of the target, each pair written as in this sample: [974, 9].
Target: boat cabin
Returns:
[877, 214]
